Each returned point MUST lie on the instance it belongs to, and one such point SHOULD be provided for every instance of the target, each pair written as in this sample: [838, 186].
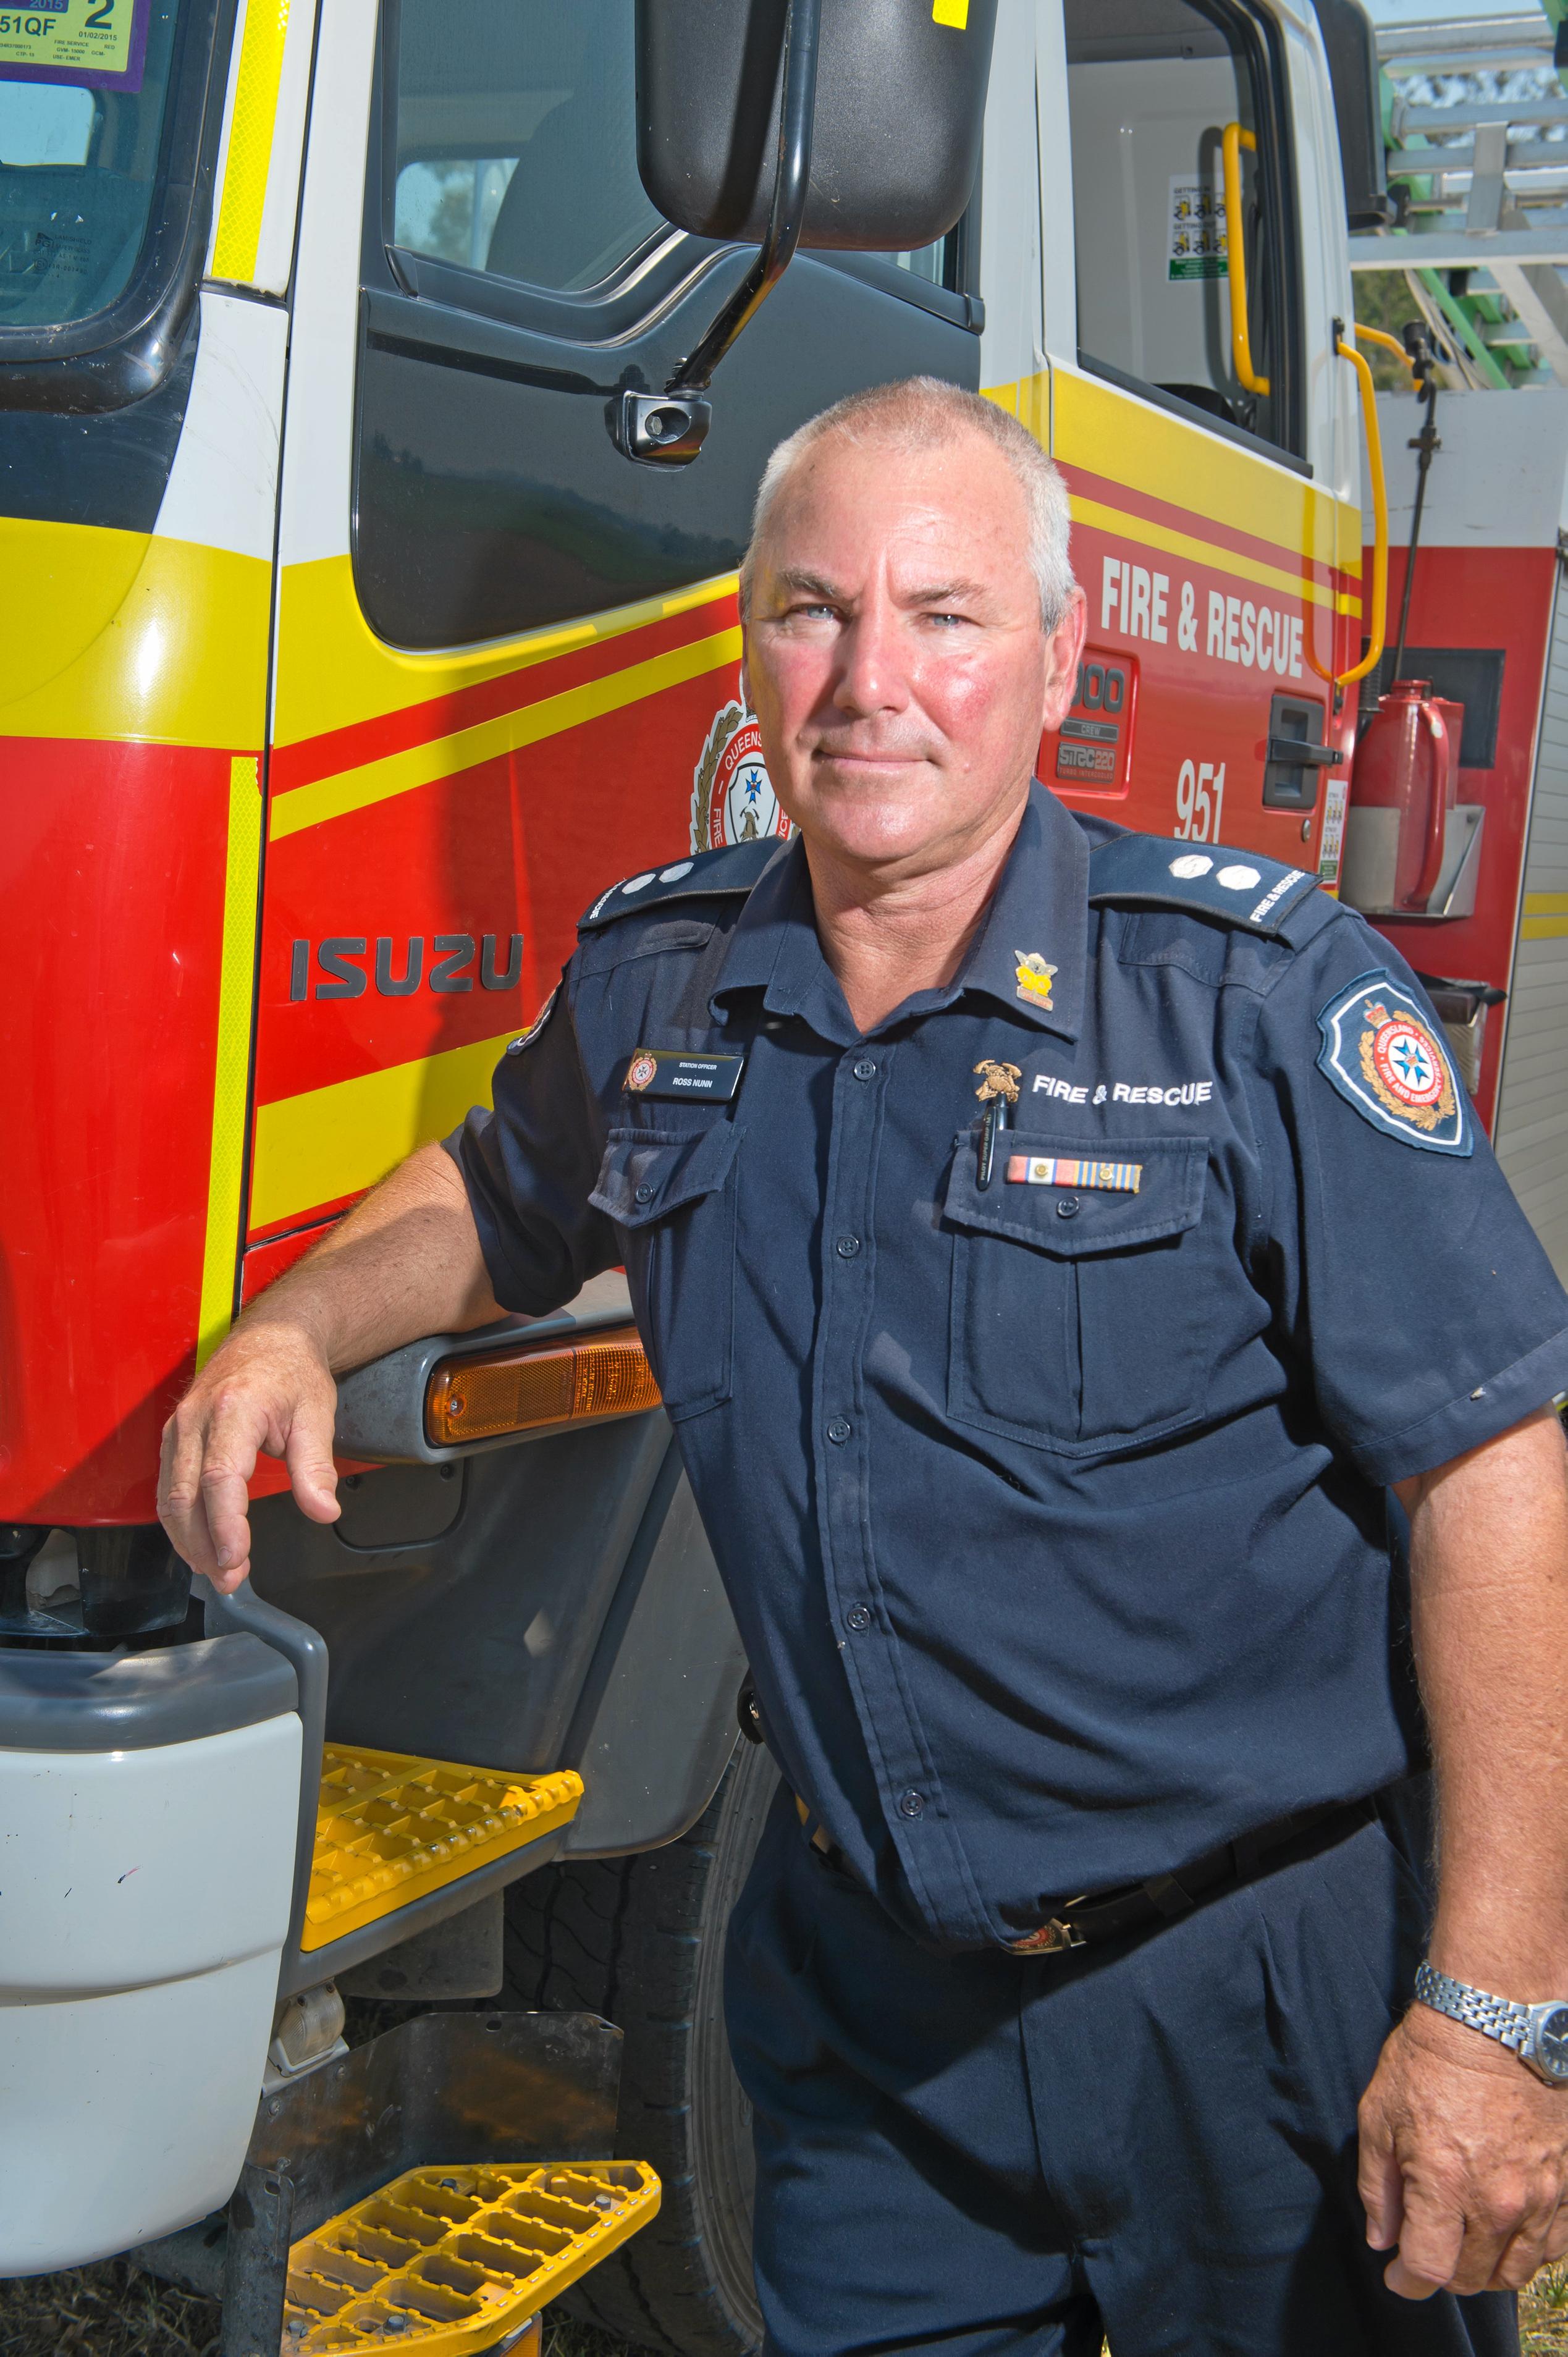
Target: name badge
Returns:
[671, 1072]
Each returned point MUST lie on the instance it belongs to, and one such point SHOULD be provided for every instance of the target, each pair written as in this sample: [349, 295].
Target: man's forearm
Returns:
[404, 1262]
[1489, 1576]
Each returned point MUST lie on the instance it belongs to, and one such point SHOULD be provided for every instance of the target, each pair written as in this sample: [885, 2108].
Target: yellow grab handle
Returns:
[1378, 624]
[1234, 139]
[1389, 343]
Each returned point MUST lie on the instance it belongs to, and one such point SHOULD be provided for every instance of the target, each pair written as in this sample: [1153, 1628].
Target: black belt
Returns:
[1087, 1922]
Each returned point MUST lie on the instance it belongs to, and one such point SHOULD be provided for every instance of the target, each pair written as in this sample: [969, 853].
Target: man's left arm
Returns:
[1464, 2153]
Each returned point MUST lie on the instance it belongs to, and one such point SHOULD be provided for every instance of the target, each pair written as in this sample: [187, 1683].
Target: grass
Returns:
[114, 2310]
[111, 2310]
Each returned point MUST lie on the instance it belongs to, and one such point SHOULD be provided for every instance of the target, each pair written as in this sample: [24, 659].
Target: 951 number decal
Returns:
[1199, 802]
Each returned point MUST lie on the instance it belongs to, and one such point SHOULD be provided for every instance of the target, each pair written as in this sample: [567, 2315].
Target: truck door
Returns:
[1198, 415]
[507, 656]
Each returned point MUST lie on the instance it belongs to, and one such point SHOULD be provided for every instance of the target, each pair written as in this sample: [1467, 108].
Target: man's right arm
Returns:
[405, 1262]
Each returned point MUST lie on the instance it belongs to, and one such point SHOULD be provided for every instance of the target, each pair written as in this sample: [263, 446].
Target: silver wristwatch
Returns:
[1538, 2034]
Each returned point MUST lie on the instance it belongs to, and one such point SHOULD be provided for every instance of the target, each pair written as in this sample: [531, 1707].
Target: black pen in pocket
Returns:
[998, 1115]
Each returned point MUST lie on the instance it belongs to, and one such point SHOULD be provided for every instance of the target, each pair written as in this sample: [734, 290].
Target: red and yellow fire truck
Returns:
[382, 390]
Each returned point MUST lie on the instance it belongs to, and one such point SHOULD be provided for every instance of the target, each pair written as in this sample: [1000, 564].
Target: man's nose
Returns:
[872, 660]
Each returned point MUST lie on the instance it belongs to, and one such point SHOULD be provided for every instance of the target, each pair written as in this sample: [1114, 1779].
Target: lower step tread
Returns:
[445, 2261]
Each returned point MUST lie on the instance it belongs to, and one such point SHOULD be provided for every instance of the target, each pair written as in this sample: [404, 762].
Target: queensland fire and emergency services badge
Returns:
[733, 799]
[1384, 1055]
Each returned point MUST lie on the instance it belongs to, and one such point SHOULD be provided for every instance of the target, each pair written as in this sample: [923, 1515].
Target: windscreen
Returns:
[83, 85]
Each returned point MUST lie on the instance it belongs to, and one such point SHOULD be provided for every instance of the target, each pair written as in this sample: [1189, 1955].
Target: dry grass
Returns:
[1543, 2314]
[111, 2310]
[114, 2310]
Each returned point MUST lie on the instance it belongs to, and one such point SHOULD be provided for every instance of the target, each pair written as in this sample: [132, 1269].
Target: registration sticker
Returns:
[96, 44]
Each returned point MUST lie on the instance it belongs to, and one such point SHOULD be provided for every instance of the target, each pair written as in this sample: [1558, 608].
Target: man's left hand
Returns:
[1464, 2161]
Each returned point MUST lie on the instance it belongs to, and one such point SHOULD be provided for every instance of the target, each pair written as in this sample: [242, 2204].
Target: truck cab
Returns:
[355, 646]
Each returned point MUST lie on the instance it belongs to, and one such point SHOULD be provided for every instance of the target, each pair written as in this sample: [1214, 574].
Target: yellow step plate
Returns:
[390, 1829]
[445, 2260]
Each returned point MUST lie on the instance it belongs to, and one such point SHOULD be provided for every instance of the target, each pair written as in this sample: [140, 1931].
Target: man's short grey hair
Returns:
[919, 413]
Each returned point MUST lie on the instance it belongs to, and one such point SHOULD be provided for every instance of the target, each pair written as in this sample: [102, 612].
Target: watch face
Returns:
[1552, 2042]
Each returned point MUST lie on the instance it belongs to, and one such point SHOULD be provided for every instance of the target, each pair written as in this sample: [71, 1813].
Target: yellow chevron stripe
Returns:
[447, 756]
[116, 634]
[1209, 552]
[1546, 904]
[1544, 929]
[328, 1143]
[333, 671]
[251, 127]
[1127, 441]
[231, 1081]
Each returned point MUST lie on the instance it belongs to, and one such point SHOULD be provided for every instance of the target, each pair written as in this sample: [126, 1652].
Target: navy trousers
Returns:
[989, 2155]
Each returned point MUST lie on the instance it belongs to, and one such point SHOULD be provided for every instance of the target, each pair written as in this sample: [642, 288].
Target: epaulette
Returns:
[1240, 888]
[736, 868]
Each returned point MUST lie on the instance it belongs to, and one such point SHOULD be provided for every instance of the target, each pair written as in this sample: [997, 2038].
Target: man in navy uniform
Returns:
[1077, 1238]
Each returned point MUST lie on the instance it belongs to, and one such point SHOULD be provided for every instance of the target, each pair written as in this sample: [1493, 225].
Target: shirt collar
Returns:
[1039, 910]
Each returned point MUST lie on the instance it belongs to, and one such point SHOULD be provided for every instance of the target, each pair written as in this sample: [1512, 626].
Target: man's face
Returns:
[894, 652]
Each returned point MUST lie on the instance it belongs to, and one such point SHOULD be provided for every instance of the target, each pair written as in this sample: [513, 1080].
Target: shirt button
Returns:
[840, 1428]
[1068, 1208]
[645, 1195]
[866, 1069]
[848, 1246]
[857, 1616]
[911, 1804]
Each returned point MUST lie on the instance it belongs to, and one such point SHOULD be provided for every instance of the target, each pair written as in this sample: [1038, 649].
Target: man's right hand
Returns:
[268, 1389]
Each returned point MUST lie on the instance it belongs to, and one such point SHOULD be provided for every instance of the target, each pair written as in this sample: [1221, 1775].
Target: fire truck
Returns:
[382, 391]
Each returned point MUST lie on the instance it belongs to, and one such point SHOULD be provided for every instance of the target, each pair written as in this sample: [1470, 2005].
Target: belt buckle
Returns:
[1052, 1939]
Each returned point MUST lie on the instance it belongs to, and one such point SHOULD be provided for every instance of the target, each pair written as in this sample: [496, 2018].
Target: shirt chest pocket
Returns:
[1079, 1310]
[673, 1194]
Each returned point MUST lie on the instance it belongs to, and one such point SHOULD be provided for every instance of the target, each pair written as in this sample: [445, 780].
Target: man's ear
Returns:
[1064, 651]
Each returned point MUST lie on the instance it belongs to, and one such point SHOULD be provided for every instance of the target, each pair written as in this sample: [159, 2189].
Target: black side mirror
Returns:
[1354, 72]
[894, 144]
[852, 123]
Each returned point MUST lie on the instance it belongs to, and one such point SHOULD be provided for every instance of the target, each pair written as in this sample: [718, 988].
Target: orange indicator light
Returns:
[517, 1389]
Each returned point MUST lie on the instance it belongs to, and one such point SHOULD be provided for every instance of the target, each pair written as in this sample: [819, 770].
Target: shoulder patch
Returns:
[1240, 887]
[735, 869]
[1385, 1055]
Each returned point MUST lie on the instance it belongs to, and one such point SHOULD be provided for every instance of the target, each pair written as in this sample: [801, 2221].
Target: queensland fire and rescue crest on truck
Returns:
[733, 799]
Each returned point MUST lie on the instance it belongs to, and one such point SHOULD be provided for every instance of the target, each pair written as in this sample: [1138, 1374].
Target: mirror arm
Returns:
[791, 174]
[670, 428]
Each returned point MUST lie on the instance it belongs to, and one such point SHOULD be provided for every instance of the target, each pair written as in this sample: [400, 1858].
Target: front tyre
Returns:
[641, 1940]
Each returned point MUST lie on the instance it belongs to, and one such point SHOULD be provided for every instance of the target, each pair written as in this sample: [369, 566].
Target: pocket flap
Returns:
[1166, 1199]
[647, 1173]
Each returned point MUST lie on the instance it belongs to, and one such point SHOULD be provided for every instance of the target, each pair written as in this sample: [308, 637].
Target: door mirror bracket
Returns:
[668, 429]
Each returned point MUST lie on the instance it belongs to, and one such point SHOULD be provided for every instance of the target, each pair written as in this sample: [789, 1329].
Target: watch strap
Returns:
[1494, 2017]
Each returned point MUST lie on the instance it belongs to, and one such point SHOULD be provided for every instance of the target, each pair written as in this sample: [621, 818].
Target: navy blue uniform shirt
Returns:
[1052, 1510]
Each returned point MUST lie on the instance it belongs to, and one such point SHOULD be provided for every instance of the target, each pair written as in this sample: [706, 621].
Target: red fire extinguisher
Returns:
[1407, 761]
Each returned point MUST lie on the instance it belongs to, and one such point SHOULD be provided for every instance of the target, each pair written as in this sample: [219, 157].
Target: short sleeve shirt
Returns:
[1049, 1498]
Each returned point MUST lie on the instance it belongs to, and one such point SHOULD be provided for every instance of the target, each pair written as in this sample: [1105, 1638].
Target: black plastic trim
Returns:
[122, 353]
[136, 1702]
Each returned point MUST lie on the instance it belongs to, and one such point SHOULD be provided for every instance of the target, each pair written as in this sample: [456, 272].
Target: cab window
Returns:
[517, 279]
[79, 166]
[1152, 86]
[517, 141]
